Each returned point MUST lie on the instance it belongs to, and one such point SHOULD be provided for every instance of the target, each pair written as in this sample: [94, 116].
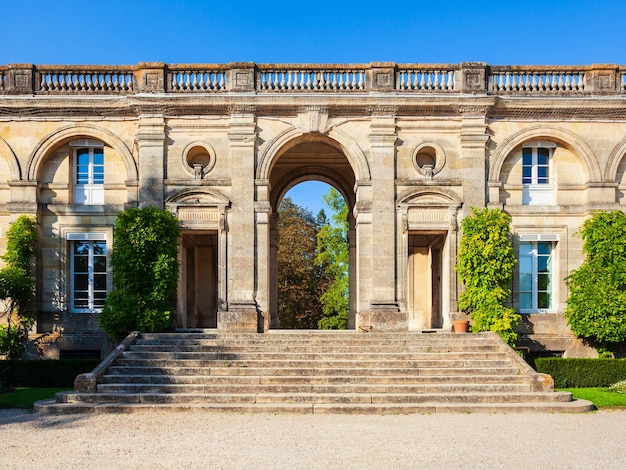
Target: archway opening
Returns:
[310, 248]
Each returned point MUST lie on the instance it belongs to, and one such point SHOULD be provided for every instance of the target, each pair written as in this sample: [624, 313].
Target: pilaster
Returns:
[151, 142]
[474, 140]
[244, 313]
[385, 311]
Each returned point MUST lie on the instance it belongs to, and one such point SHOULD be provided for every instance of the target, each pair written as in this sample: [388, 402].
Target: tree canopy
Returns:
[301, 281]
[333, 255]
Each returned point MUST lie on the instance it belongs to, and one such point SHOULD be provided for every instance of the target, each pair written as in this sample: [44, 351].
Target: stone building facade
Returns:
[411, 147]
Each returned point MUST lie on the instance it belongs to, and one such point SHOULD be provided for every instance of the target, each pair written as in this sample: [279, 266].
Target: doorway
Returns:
[197, 306]
[425, 272]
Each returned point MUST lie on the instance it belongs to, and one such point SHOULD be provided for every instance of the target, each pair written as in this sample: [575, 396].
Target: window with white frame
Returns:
[88, 271]
[535, 289]
[537, 180]
[88, 156]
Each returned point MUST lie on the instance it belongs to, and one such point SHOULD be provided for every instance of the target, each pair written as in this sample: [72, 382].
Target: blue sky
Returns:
[498, 32]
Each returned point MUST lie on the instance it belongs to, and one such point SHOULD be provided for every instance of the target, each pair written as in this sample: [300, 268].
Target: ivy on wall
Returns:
[596, 306]
[145, 272]
[485, 265]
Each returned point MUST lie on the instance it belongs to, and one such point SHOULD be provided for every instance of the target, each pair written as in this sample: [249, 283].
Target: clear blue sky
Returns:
[498, 32]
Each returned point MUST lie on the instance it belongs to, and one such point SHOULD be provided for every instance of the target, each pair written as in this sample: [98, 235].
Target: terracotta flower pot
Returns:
[460, 326]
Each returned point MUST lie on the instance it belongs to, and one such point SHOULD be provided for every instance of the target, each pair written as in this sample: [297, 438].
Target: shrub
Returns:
[596, 306]
[17, 285]
[582, 372]
[485, 265]
[48, 373]
[145, 272]
[619, 387]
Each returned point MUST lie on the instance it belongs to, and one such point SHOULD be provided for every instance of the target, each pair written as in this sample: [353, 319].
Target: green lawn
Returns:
[25, 397]
[599, 396]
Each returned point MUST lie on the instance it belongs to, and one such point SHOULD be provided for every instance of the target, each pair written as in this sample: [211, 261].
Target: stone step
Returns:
[310, 356]
[304, 379]
[574, 406]
[312, 348]
[320, 398]
[307, 371]
[314, 372]
[235, 389]
[316, 364]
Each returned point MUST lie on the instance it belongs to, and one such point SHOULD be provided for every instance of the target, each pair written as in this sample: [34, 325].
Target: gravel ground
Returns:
[159, 440]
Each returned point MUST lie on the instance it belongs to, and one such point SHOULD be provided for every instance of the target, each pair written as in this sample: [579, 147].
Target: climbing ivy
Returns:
[596, 306]
[485, 265]
[145, 272]
[17, 285]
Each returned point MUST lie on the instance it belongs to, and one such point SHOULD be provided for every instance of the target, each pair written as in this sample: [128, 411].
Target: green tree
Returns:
[596, 306]
[145, 272]
[333, 255]
[301, 281]
[485, 265]
[17, 285]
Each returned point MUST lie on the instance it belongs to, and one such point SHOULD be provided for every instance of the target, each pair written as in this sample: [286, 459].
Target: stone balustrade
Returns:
[425, 78]
[156, 77]
[537, 80]
[280, 78]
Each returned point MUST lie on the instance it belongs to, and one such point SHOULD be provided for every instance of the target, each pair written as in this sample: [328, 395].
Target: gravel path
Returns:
[157, 440]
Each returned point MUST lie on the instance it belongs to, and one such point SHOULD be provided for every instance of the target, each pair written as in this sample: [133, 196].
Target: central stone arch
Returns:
[292, 158]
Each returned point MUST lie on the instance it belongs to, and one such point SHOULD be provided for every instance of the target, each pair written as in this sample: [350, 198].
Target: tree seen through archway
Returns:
[313, 264]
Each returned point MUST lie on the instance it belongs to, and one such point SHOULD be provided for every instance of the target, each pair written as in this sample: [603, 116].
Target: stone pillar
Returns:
[263, 215]
[385, 313]
[151, 143]
[603, 80]
[243, 312]
[361, 262]
[474, 140]
[20, 79]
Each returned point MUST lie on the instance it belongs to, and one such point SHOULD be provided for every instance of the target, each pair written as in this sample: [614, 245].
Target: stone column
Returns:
[243, 312]
[385, 313]
[151, 144]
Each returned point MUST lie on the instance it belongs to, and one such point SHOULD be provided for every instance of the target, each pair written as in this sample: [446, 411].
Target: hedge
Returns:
[580, 373]
[47, 373]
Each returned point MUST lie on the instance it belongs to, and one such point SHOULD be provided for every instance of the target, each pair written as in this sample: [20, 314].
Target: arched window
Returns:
[88, 165]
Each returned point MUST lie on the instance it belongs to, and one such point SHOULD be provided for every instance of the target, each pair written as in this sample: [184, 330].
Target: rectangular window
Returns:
[88, 172]
[88, 272]
[536, 174]
[535, 269]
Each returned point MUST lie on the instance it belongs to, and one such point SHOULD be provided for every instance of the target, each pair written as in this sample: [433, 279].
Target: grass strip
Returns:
[599, 396]
[25, 397]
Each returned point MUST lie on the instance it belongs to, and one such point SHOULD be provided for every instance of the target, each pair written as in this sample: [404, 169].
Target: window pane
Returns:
[525, 249]
[543, 175]
[81, 282]
[543, 264]
[99, 264]
[99, 247]
[544, 300]
[543, 282]
[525, 301]
[98, 157]
[81, 264]
[82, 157]
[100, 281]
[527, 157]
[81, 248]
[526, 282]
[543, 155]
[544, 248]
[525, 264]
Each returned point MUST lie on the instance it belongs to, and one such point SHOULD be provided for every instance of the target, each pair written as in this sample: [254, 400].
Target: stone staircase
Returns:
[314, 372]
